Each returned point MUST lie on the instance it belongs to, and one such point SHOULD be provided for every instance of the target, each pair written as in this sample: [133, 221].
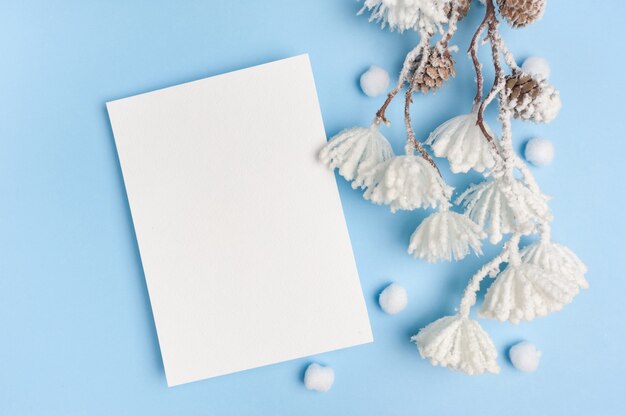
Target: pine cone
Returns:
[531, 99]
[520, 13]
[438, 69]
[463, 8]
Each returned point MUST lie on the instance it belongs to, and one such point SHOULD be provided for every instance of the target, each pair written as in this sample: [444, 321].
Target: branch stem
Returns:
[409, 62]
[509, 251]
[473, 51]
[491, 22]
[411, 139]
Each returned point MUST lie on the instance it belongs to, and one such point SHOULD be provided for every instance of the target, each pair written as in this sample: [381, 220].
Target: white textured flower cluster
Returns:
[535, 280]
[401, 15]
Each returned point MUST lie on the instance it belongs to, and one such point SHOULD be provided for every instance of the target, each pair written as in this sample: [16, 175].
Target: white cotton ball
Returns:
[539, 152]
[375, 81]
[393, 299]
[536, 66]
[525, 356]
[319, 378]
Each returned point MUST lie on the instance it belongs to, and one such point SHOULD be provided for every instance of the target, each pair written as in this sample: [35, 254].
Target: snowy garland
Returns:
[528, 283]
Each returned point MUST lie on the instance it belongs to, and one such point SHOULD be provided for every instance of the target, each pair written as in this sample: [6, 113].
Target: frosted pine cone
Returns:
[531, 99]
[438, 69]
[463, 8]
[520, 13]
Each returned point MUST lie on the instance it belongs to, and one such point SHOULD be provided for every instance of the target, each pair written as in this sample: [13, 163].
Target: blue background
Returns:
[76, 330]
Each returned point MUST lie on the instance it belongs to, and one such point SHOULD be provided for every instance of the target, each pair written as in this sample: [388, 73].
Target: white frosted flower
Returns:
[356, 150]
[445, 235]
[319, 378]
[458, 343]
[393, 299]
[556, 258]
[504, 206]
[405, 182]
[418, 15]
[461, 141]
[527, 291]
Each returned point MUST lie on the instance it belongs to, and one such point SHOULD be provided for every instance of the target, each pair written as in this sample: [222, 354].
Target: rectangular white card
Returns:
[241, 233]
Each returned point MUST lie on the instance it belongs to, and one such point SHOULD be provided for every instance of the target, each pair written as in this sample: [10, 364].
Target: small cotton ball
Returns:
[319, 378]
[536, 66]
[539, 152]
[393, 299]
[375, 81]
[525, 356]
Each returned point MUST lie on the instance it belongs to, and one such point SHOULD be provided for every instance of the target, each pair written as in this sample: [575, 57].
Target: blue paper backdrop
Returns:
[77, 334]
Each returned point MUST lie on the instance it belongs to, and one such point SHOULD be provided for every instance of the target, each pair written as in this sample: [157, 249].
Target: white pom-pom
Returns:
[356, 150]
[536, 66]
[525, 356]
[458, 343]
[319, 378]
[405, 182]
[375, 81]
[393, 299]
[461, 140]
[445, 235]
[539, 152]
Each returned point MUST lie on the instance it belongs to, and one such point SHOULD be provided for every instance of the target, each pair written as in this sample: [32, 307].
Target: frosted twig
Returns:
[509, 253]
[473, 52]
[404, 74]
[411, 140]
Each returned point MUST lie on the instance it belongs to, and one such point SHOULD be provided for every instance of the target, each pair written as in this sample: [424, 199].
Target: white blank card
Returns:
[241, 233]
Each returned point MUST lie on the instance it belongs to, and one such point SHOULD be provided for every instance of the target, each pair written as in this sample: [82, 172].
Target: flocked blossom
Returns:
[502, 206]
[402, 15]
[458, 343]
[527, 291]
[446, 235]
[356, 150]
[461, 141]
[405, 182]
[556, 258]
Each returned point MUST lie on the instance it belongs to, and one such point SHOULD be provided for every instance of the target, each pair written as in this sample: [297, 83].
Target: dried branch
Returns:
[509, 251]
[452, 22]
[473, 51]
[409, 129]
[409, 63]
[508, 56]
[492, 35]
